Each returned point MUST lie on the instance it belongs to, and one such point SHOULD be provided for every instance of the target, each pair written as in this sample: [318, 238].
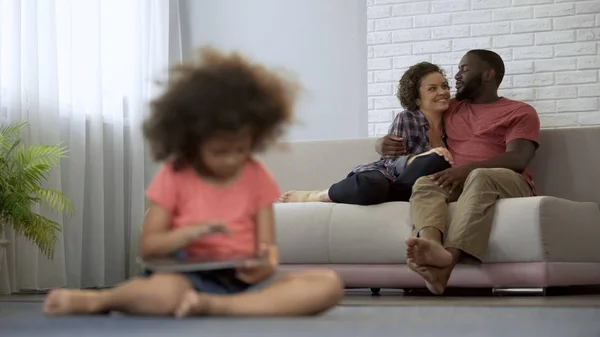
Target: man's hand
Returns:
[452, 178]
[253, 273]
[392, 146]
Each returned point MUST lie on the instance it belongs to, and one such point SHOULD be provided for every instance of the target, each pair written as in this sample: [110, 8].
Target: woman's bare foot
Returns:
[435, 278]
[193, 304]
[68, 302]
[425, 252]
[301, 196]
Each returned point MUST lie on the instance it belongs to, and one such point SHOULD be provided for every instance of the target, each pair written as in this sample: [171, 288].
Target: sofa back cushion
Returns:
[567, 164]
[312, 165]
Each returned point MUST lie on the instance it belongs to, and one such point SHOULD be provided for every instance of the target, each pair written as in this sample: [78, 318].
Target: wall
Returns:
[550, 49]
[323, 41]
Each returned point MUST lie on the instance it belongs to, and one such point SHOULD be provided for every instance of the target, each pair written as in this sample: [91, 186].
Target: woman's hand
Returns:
[440, 151]
[254, 273]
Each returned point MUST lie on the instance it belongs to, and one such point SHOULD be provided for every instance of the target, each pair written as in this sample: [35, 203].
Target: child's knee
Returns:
[332, 279]
[330, 285]
[167, 290]
[325, 279]
[328, 276]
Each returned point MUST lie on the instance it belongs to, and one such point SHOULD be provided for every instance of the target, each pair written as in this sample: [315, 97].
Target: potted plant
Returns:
[23, 170]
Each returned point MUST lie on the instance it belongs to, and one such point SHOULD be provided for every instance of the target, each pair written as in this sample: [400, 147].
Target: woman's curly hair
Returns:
[217, 93]
[408, 87]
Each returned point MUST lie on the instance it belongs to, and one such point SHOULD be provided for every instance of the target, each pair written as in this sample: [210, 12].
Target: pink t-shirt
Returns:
[478, 132]
[190, 201]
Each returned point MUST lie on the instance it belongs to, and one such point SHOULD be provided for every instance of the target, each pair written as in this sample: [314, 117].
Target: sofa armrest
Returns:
[550, 229]
[570, 230]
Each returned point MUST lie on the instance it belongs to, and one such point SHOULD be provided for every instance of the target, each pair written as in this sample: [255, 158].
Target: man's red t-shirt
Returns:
[478, 132]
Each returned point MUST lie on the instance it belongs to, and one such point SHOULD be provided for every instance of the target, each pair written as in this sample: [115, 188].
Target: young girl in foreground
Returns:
[214, 115]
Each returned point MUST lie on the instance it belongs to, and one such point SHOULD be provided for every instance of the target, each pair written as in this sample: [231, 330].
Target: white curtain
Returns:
[82, 72]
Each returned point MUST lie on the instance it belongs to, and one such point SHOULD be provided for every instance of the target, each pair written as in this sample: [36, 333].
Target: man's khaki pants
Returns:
[471, 224]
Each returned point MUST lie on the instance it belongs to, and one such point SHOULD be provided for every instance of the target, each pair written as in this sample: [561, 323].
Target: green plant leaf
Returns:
[39, 230]
[56, 200]
[23, 172]
[34, 175]
[9, 133]
[10, 151]
[45, 154]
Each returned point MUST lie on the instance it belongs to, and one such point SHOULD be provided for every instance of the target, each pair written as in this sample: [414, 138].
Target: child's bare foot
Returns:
[427, 253]
[300, 196]
[68, 302]
[193, 304]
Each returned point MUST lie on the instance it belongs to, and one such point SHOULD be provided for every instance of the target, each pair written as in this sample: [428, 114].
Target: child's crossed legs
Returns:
[293, 294]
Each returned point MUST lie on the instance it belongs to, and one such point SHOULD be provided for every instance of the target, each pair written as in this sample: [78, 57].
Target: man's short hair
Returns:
[493, 60]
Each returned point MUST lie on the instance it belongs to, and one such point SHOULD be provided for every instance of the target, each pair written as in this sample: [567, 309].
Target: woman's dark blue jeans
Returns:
[372, 187]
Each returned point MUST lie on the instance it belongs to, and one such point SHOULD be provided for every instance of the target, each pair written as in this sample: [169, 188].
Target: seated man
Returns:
[492, 140]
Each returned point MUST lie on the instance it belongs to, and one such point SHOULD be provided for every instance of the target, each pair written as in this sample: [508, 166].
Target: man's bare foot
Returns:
[435, 278]
[69, 302]
[299, 196]
[193, 304]
[410, 251]
[427, 253]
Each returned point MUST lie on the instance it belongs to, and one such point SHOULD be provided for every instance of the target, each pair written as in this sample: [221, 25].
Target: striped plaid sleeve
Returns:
[398, 125]
[406, 126]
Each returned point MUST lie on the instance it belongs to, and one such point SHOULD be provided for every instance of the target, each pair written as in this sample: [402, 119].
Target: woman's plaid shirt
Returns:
[412, 127]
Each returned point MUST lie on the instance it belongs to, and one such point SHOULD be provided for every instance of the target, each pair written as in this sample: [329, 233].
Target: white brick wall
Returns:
[551, 49]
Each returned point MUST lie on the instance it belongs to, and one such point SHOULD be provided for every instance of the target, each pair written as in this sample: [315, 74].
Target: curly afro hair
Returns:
[408, 87]
[217, 93]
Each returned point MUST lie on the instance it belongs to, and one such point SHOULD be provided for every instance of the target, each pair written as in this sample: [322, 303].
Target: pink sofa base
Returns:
[492, 275]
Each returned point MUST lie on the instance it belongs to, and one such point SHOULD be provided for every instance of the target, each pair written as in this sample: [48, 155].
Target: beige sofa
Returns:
[537, 242]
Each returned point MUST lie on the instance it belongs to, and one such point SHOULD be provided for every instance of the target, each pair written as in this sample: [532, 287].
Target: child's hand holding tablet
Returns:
[254, 271]
[196, 231]
[250, 267]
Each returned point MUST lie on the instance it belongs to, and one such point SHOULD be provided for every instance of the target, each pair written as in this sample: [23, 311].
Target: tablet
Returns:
[180, 262]
[188, 264]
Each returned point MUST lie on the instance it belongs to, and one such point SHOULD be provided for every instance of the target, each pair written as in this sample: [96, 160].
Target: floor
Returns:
[360, 314]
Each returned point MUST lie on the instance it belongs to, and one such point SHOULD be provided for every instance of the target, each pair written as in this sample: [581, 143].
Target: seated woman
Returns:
[424, 92]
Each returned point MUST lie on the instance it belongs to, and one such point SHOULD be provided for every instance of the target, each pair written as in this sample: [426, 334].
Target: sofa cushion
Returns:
[531, 229]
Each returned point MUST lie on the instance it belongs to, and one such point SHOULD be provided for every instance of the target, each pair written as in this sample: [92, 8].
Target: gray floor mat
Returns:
[26, 318]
